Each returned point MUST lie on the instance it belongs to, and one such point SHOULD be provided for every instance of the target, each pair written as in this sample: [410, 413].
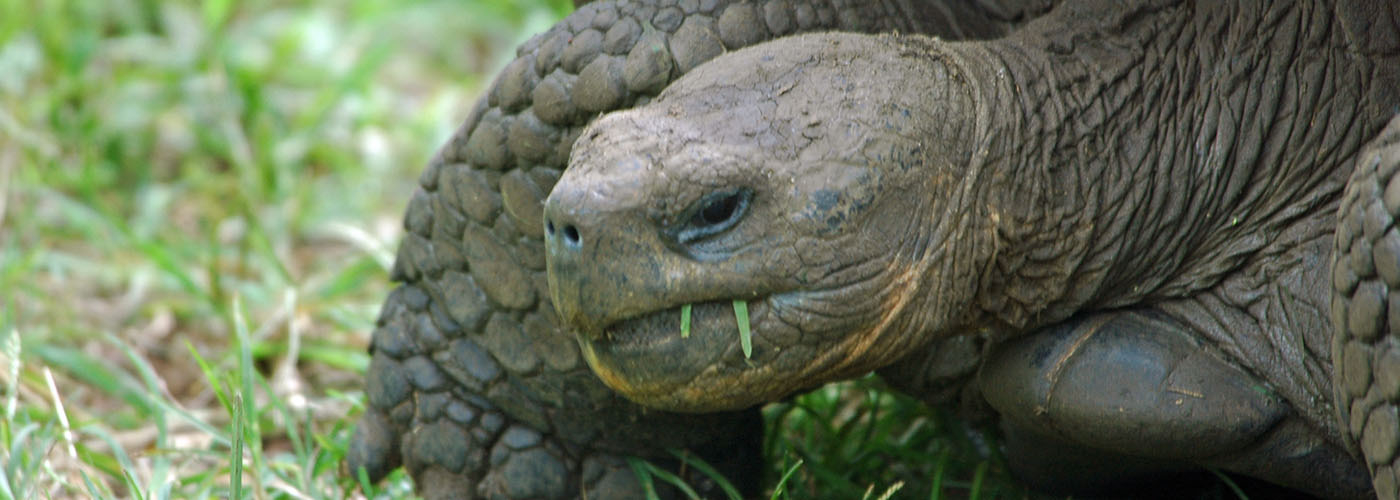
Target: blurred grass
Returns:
[198, 204]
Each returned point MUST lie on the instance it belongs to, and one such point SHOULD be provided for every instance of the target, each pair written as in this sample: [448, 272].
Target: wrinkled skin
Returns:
[1112, 226]
[817, 237]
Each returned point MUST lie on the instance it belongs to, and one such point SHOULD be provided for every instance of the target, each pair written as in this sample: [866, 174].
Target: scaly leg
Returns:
[1138, 393]
[1365, 314]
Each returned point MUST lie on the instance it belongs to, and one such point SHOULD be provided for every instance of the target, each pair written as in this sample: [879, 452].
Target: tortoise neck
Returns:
[1117, 167]
[1025, 237]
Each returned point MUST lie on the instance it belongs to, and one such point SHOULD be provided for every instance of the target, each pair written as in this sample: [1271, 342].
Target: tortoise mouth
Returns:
[660, 329]
[647, 359]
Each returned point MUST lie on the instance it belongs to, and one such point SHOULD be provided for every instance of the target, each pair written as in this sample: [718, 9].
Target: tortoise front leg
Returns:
[1366, 309]
[1139, 391]
[457, 409]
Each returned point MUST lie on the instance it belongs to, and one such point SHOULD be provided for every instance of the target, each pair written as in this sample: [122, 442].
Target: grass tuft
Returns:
[688, 460]
[781, 488]
[646, 472]
[858, 436]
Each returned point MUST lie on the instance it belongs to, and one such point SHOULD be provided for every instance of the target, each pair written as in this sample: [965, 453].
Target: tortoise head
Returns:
[793, 185]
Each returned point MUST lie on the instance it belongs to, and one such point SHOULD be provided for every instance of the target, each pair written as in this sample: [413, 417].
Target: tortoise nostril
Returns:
[561, 226]
[571, 236]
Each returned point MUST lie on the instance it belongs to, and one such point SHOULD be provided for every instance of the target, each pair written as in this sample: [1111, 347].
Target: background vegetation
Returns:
[199, 201]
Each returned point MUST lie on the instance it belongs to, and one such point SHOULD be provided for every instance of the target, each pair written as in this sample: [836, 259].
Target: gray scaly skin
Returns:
[1366, 346]
[473, 387]
[1125, 210]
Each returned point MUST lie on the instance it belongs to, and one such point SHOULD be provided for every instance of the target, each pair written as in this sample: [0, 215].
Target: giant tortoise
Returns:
[1149, 235]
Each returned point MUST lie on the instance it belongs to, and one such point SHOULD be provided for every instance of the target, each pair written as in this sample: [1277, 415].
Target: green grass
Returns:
[860, 440]
[198, 204]
[741, 318]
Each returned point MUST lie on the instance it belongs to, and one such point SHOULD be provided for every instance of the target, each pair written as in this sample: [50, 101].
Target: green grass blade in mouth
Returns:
[741, 314]
[685, 321]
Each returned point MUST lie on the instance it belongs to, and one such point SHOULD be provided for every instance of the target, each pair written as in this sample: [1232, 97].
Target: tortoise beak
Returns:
[600, 255]
[607, 260]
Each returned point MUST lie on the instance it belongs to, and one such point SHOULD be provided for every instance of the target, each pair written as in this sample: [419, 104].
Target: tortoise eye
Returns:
[718, 211]
[715, 213]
